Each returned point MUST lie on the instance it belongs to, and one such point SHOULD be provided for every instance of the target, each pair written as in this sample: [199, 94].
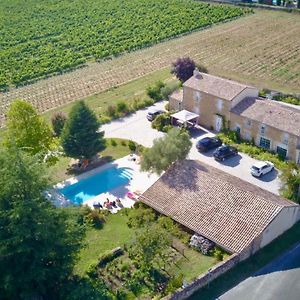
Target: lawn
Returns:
[114, 150]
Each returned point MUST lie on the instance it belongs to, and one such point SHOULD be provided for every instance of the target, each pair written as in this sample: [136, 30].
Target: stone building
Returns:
[220, 102]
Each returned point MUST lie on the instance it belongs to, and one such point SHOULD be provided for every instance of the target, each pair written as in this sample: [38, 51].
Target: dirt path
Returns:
[261, 49]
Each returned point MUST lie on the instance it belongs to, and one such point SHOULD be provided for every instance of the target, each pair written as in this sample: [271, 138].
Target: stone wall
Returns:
[205, 278]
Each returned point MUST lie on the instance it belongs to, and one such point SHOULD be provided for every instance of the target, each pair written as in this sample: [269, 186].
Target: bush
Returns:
[122, 107]
[288, 99]
[123, 143]
[183, 68]
[111, 111]
[168, 89]
[109, 256]
[174, 284]
[58, 122]
[95, 219]
[104, 119]
[140, 217]
[218, 253]
[113, 143]
[148, 102]
[154, 92]
[132, 146]
[162, 122]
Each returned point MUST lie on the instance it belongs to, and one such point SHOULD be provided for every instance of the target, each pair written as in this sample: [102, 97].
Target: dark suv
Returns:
[152, 114]
[224, 152]
[208, 143]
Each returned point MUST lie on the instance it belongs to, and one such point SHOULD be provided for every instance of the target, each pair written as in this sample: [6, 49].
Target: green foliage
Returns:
[58, 122]
[123, 143]
[109, 256]
[38, 242]
[218, 253]
[132, 146]
[154, 92]
[140, 217]
[71, 34]
[162, 122]
[288, 99]
[26, 129]
[94, 218]
[113, 143]
[81, 137]
[291, 178]
[122, 107]
[175, 145]
[148, 246]
[111, 111]
[168, 89]
[85, 288]
[174, 284]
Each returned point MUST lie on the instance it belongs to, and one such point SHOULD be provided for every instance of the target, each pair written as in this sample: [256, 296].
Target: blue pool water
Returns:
[96, 184]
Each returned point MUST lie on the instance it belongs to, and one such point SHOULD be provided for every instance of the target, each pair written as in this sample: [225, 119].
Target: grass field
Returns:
[260, 49]
[42, 38]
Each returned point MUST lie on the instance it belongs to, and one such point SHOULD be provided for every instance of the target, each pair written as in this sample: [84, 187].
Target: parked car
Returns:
[224, 152]
[208, 143]
[153, 113]
[261, 168]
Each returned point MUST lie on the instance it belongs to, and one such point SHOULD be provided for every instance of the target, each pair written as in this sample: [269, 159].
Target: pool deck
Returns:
[140, 181]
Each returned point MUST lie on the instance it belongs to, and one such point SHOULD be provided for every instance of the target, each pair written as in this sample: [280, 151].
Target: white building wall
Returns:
[287, 217]
[247, 92]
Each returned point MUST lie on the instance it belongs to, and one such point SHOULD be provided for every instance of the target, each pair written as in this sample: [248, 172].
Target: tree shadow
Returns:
[184, 175]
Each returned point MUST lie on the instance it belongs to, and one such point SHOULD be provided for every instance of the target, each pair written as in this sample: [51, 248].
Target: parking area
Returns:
[136, 127]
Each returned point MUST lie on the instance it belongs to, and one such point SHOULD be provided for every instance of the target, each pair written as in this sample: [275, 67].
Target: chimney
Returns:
[197, 74]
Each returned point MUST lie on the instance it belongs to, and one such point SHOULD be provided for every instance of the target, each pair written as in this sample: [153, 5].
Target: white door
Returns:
[218, 125]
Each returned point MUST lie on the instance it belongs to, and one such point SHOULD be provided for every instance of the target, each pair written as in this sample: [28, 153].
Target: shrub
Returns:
[109, 256]
[104, 119]
[174, 284]
[92, 271]
[132, 146]
[148, 102]
[94, 218]
[111, 111]
[58, 121]
[218, 253]
[113, 143]
[123, 143]
[122, 107]
[140, 217]
[154, 92]
[162, 122]
[168, 89]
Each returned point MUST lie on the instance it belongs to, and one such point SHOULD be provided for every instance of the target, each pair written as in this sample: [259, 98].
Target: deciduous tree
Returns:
[26, 129]
[175, 145]
[81, 137]
[38, 242]
[183, 68]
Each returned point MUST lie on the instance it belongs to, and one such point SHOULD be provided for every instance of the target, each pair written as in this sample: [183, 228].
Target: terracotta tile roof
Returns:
[271, 113]
[177, 95]
[221, 207]
[213, 85]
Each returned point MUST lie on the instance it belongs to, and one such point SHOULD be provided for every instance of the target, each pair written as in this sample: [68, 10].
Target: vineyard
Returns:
[247, 50]
[39, 38]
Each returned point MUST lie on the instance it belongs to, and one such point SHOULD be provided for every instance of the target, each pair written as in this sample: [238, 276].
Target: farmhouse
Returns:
[237, 216]
[220, 102]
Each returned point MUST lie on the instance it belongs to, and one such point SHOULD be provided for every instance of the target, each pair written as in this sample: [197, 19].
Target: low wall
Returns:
[205, 278]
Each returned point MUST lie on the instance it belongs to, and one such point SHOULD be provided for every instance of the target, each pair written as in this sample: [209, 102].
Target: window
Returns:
[197, 96]
[264, 143]
[219, 105]
[285, 138]
[248, 123]
[282, 152]
[238, 129]
[262, 129]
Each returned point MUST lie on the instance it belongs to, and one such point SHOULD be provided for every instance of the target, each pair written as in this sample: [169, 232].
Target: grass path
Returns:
[260, 49]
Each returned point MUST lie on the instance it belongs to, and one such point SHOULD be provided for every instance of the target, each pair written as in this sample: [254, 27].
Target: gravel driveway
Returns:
[136, 127]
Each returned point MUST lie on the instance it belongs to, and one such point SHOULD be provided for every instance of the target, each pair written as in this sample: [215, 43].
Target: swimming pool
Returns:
[96, 184]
